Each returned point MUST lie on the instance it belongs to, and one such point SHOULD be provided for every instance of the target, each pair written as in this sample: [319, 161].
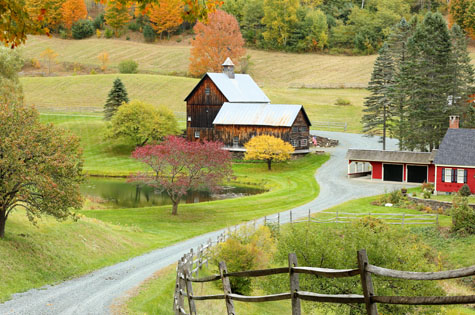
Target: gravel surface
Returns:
[95, 293]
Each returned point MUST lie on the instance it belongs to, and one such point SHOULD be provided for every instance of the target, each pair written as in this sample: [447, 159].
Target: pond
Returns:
[118, 193]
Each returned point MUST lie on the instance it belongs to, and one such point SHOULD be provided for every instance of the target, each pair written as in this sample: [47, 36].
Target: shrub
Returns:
[128, 66]
[342, 102]
[98, 33]
[464, 191]
[127, 37]
[82, 29]
[463, 216]
[63, 34]
[245, 250]
[98, 22]
[335, 247]
[149, 34]
[134, 27]
[108, 33]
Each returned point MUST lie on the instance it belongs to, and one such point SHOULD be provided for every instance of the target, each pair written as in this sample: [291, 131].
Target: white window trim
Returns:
[448, 175]
[303, 142]
[460, 175]
[197, 134]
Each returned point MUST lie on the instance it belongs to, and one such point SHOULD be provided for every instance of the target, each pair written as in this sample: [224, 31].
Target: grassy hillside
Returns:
[87, 94]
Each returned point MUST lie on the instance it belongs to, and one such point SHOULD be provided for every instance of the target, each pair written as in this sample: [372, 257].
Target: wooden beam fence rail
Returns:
[388, 218]
[365, 271]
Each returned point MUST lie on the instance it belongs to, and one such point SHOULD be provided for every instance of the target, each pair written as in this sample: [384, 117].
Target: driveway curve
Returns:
[94, 293]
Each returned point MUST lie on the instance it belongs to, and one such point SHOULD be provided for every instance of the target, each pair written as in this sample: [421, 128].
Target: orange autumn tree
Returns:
[117, 15]
[166, 15]
[198, 10]
[215, 40]
[462, 12]
[72, 11]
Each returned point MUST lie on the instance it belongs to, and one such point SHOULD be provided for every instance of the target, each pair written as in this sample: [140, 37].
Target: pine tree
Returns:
[117, 96]
[378, 111]
[423, 80]
[462, 72]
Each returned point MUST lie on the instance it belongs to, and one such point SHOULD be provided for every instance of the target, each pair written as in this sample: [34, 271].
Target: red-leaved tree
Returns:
[215, 40]
[179, 166]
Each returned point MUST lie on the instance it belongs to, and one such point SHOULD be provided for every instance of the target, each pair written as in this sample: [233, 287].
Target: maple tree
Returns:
[215, 40]
[104, 60]
[462, 12]
[268, 148]
[180, 166]
[47, 12]
[117, 15]
[166, 15]
[72, 11]
[40, 166]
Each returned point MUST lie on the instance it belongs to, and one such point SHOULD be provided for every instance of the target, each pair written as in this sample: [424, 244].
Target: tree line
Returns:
[421, 76]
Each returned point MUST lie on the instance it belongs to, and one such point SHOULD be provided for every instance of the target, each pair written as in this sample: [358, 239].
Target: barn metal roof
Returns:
[457, 148]
[241, 89]
[257, 114]
[389, 156]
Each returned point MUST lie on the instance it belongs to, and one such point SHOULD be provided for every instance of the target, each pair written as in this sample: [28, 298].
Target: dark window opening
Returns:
[207, 91]
[416, 173]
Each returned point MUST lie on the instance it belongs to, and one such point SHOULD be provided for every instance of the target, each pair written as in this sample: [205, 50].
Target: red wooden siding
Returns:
[454, 187]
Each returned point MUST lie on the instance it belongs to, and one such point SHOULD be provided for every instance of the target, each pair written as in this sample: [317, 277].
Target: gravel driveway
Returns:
[94, 293]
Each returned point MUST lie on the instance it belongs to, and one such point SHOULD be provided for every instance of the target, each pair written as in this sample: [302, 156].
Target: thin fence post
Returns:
[402, 223]
[265, 220]
[308, 215]
[294, 284]
[290, 216]
[437, 219]
[181, 287]
[366, 283]
[226, 288]
[278, 220]
[189, 292]
[254, 224]
[336, 219]
[177, 289]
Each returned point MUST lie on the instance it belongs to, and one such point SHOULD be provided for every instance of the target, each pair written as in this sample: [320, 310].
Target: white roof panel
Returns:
[241, 89]
[257, 114]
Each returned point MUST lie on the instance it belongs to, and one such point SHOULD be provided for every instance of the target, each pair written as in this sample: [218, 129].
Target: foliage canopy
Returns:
[268, 148]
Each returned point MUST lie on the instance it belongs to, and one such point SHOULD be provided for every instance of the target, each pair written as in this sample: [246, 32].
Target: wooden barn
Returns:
[231, 108]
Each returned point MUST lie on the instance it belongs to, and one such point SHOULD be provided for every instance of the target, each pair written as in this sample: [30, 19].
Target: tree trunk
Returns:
[3, 220]
[269, 161]
[175, 207]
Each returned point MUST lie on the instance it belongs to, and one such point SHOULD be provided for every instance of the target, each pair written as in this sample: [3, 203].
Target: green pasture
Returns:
[86, 95]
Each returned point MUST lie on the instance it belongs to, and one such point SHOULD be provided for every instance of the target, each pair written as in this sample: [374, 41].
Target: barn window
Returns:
[303, 128]
[295, 129]
[207, 91]
[236, 141]
[461, 176]
[294, 143]
[197, 134]
[303, 142]
[448, 175]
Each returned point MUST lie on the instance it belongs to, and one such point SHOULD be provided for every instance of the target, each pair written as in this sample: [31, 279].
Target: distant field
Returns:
[275, 69]
[87, 94]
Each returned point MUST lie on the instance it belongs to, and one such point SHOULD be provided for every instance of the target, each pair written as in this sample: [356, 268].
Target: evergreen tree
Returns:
[397, 45]
[462, 72]
[423, 80]
[378, 107]
[117, 96]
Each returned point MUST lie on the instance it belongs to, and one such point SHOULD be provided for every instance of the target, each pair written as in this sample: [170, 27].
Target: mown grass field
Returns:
[87, 94]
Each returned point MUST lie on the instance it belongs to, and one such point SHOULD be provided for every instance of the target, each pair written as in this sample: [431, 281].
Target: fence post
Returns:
[189, 292]
[308, 215]
[290, 216]
[278, 220]
[437, 219]
[346, 125]
[366, 283]
[294, 284]
[265, 220]
[177, 289]
[180, 289]
[226, 288]
[402, 223]
[336, 219]
[254, 224]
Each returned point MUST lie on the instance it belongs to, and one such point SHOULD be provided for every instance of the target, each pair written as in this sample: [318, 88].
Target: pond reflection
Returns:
[118, 193]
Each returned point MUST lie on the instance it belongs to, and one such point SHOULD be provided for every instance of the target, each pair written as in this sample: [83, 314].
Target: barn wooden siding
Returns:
[226, 133]
[202, 109]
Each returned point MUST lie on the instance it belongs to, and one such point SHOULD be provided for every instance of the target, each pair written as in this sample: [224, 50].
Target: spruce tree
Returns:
[462, 72]
[424, 81]
[397, 44]
[378, 107]
[117, 96]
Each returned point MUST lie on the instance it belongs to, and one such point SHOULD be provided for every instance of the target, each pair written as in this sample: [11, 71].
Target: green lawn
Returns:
[290, 184]
[86, 95]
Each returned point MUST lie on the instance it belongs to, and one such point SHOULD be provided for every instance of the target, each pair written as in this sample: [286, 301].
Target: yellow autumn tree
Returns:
[166, 15]
[268, 148]
[117, 15]
[49, 56]
[46, 12]
[72, 11]
[104, 60]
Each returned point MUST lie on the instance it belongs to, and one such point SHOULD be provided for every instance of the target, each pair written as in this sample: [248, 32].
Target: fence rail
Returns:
[330, 124]
[388, 218]
[365, 270]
